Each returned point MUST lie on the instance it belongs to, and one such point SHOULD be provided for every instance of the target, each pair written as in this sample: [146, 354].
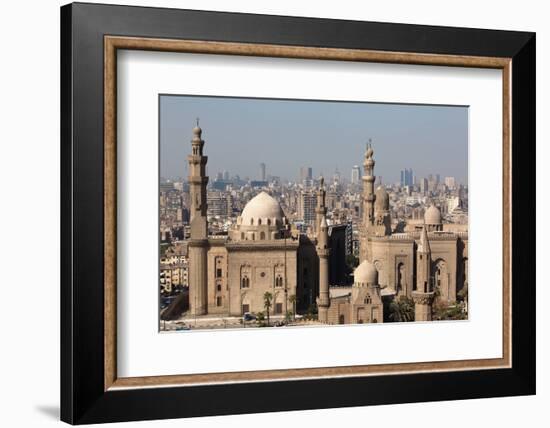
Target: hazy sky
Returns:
[241, 133]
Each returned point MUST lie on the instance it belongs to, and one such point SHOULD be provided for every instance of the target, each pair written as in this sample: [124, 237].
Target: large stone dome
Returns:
[365, 273]
[432, 215]
[262, 209]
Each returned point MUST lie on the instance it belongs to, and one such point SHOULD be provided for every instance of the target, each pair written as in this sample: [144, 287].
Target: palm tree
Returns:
[292, 301]
[268, 298]
[402, 310]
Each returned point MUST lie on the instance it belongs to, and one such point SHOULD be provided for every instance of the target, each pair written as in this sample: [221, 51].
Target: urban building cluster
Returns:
[341, 251]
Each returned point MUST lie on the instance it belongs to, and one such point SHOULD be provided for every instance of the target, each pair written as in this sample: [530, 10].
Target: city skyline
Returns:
[291, 135]
[263, 253]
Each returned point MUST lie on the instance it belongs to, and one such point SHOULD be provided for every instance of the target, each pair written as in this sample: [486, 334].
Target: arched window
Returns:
[242, 235]
[441, 281]
[262, 235]
[253, 237]
[269, 222]
[251, 221]
[245, 283]
[259, 222]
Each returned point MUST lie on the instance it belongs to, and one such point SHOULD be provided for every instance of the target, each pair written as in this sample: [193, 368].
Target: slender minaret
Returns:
[320, 209]
[323, 302]
[198, 243]
[368, 205]
[423, 295]
[368, 188]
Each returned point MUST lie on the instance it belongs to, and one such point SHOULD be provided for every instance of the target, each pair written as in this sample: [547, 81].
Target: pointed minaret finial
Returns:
[369, 152]
[424, 243]
[198, 121]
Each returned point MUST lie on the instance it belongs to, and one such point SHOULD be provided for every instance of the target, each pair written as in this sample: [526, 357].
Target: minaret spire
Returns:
[320, 209]
[424, 245]
[198, 241]
[368, 199]
[423, 295]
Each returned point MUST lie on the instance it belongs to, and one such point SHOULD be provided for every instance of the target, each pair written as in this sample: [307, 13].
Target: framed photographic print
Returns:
[264, 206]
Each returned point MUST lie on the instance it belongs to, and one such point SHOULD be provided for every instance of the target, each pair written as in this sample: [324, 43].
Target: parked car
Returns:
[249, 317]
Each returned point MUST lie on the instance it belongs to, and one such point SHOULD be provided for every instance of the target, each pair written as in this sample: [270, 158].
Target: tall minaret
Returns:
[368, 188]
[320, 209]
[423, 295]
[198, 243]
[323, 302]
[368, 204]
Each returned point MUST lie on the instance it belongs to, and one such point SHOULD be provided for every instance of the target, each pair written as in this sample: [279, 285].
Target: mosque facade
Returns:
[262, 252]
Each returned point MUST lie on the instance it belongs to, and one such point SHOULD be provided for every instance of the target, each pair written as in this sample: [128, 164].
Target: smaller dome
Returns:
[432, 215]
[382, 201]
[197, 131]
[365, 273]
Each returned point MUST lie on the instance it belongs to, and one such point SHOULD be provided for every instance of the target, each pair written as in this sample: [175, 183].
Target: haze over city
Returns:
[241, 133]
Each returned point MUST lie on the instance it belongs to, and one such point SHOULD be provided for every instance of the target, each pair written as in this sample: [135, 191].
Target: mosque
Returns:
[262, 252]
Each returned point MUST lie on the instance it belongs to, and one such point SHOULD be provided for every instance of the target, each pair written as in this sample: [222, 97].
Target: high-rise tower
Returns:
[198, 242]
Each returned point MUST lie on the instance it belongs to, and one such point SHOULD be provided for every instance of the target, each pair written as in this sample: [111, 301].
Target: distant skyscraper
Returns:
[450, 182]
[306, 175]
[336, 177]
[262, 171]
[424, 185]
[306, 207]
[407, 177]
[355, 174]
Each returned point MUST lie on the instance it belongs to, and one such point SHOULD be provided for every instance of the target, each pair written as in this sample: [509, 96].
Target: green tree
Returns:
[292, 301]
[311, 313]
[288, 316]
[454, 311]
[260, 318]
[401, 310]
[268, 299]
